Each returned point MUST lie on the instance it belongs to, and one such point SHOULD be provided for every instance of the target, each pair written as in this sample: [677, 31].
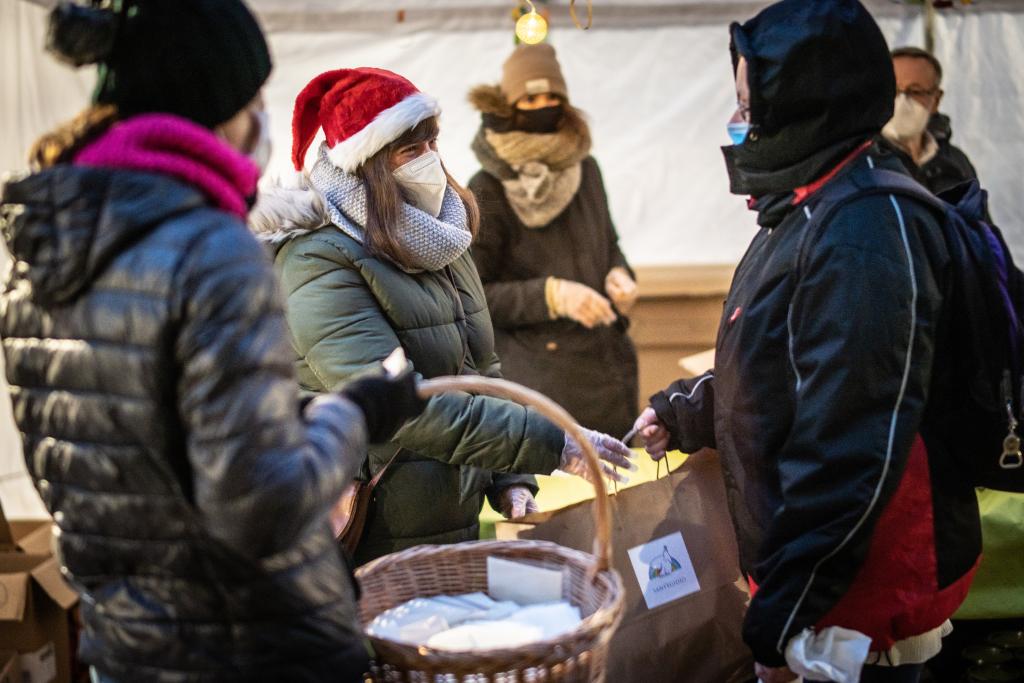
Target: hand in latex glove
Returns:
[653, 432]
[387, 403]
[516, 502]
[621, 289]
[611, 451]
[779, 674]
[568, 299]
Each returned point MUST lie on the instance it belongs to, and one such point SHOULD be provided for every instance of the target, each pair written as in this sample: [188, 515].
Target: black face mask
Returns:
[544, 120]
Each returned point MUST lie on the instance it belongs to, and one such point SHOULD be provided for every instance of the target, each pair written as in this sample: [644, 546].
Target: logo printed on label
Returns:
[538, 86]
[663, 570]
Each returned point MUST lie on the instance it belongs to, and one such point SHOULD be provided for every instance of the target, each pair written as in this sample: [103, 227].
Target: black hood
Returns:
[821, 83]
[67, 223]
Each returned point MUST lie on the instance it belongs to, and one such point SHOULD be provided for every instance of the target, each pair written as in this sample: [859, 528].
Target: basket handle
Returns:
[501, 388]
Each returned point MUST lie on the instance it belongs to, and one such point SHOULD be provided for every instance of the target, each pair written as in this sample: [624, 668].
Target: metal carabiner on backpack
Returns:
[1011, 458]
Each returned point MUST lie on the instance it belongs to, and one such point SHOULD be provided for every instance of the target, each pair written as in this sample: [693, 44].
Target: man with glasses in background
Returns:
[918, 134]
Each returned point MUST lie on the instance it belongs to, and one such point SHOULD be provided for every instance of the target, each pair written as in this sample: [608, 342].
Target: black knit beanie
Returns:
[203, 60]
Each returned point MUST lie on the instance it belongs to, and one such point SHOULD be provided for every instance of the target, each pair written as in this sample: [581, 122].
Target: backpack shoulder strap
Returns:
[835, 196]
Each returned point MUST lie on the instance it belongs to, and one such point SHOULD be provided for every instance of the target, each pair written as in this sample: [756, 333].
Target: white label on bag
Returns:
[39, 666]
[663, 570]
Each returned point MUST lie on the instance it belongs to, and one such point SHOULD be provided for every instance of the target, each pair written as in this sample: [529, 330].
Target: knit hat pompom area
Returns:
[361, 111]
[203, 60]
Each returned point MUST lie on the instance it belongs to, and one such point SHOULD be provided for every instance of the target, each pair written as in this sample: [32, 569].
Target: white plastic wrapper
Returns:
[832, 654]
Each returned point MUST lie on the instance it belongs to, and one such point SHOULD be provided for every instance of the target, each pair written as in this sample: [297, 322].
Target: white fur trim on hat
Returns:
[386, 127]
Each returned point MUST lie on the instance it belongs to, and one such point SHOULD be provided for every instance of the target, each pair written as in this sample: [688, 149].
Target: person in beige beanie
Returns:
[557, 283]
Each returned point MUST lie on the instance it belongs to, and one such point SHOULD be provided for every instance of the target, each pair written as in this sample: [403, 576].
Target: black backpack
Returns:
[987, 303]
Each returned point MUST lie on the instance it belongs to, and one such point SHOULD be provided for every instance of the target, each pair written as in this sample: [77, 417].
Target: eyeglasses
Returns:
[918, 93]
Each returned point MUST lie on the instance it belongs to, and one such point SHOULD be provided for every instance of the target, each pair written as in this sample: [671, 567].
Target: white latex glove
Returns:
[621, 289]
[612, 452]
[653, 432]
[516, 502]
[568, 299]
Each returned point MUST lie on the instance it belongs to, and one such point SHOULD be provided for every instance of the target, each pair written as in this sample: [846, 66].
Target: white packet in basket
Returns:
[417, 620]
[524, 584]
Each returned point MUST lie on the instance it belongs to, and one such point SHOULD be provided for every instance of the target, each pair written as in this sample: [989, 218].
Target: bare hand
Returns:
[653, 432]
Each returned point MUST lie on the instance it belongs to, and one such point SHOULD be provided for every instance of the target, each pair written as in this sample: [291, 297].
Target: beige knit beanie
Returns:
[532, 70]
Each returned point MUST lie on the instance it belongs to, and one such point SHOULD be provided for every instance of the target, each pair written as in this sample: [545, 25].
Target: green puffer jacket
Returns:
[347, 311]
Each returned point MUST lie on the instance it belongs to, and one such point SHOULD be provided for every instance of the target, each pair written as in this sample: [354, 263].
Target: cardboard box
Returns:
[35, 602]
[10, 670]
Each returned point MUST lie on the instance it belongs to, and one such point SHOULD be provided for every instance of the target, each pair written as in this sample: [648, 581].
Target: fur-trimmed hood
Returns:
[286, 209]
[490, 101]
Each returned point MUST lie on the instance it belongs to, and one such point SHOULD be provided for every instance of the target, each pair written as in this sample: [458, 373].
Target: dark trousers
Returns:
[891, 674]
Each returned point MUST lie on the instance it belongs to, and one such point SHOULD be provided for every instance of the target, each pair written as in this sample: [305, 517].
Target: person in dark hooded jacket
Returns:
[150, 369]
[831, 386]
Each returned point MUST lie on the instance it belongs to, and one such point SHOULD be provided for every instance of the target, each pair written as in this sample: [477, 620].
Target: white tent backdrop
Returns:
[654, 76]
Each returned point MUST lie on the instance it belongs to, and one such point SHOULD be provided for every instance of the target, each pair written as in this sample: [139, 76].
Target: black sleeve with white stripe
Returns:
[687, 409]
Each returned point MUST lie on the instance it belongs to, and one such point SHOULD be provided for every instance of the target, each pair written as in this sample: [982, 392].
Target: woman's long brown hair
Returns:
[60, 145]
[384, 196]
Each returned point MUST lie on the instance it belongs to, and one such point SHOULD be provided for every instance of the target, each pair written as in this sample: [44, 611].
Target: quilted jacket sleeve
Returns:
[341, 331]
[263, 472]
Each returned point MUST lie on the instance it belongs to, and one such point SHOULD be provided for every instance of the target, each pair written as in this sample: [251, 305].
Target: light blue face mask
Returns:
[738, 131]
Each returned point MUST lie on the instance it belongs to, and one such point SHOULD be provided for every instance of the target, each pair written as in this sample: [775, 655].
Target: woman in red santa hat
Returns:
[372, 246]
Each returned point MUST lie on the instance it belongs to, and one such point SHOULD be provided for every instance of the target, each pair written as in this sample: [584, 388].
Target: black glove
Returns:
[387, 403]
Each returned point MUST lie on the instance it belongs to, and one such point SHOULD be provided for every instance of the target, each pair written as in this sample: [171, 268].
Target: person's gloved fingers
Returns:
[518, 507]
[531, 505]
[615, 457]
[657, 450]
[652, 433]
[611, 473]
[647, 418]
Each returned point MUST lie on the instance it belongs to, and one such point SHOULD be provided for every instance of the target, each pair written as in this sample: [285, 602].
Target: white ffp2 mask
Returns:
[424, 182]
[909, 119]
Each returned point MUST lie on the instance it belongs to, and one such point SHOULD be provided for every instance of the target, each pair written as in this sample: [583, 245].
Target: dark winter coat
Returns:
[151, 379]
[347, 311]
[592, 373]
[947, 169]
[831, 392]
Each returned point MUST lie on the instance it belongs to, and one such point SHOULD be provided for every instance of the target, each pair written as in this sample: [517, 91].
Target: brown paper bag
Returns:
[675, 549]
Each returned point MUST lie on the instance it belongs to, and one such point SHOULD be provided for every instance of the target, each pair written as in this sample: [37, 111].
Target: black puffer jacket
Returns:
[152, 381]
[832, 390]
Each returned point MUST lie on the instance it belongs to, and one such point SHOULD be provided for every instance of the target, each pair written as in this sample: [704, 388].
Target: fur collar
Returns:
[286, 209]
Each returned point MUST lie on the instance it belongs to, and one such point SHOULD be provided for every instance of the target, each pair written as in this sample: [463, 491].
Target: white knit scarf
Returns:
[432, 243]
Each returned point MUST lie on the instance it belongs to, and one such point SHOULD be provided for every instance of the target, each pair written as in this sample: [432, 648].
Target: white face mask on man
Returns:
[909, 120]
[424, 182]
[260, 153]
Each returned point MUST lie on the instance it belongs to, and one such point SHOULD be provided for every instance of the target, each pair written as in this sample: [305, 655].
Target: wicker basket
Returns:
[426, 571]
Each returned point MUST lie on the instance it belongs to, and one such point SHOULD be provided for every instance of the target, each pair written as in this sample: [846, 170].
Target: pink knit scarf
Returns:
[174, 146]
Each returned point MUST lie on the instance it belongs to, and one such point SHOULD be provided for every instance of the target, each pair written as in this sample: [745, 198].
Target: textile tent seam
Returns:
[280, 17]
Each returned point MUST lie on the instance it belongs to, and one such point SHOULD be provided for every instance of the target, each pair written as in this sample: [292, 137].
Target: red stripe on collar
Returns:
[801, 194]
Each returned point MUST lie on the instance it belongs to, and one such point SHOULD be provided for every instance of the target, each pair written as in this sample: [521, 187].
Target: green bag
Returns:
[996, 592]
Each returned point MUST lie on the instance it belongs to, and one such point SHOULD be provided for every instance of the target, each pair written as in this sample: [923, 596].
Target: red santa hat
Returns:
[361, 111]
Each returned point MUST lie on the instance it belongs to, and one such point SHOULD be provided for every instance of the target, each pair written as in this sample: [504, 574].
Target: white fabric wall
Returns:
[658, 96]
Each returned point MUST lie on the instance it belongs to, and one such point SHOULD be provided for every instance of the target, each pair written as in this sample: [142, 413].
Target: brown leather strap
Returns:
[372, 484]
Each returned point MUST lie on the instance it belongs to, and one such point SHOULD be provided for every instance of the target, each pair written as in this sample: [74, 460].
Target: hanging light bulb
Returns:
[531, 28]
